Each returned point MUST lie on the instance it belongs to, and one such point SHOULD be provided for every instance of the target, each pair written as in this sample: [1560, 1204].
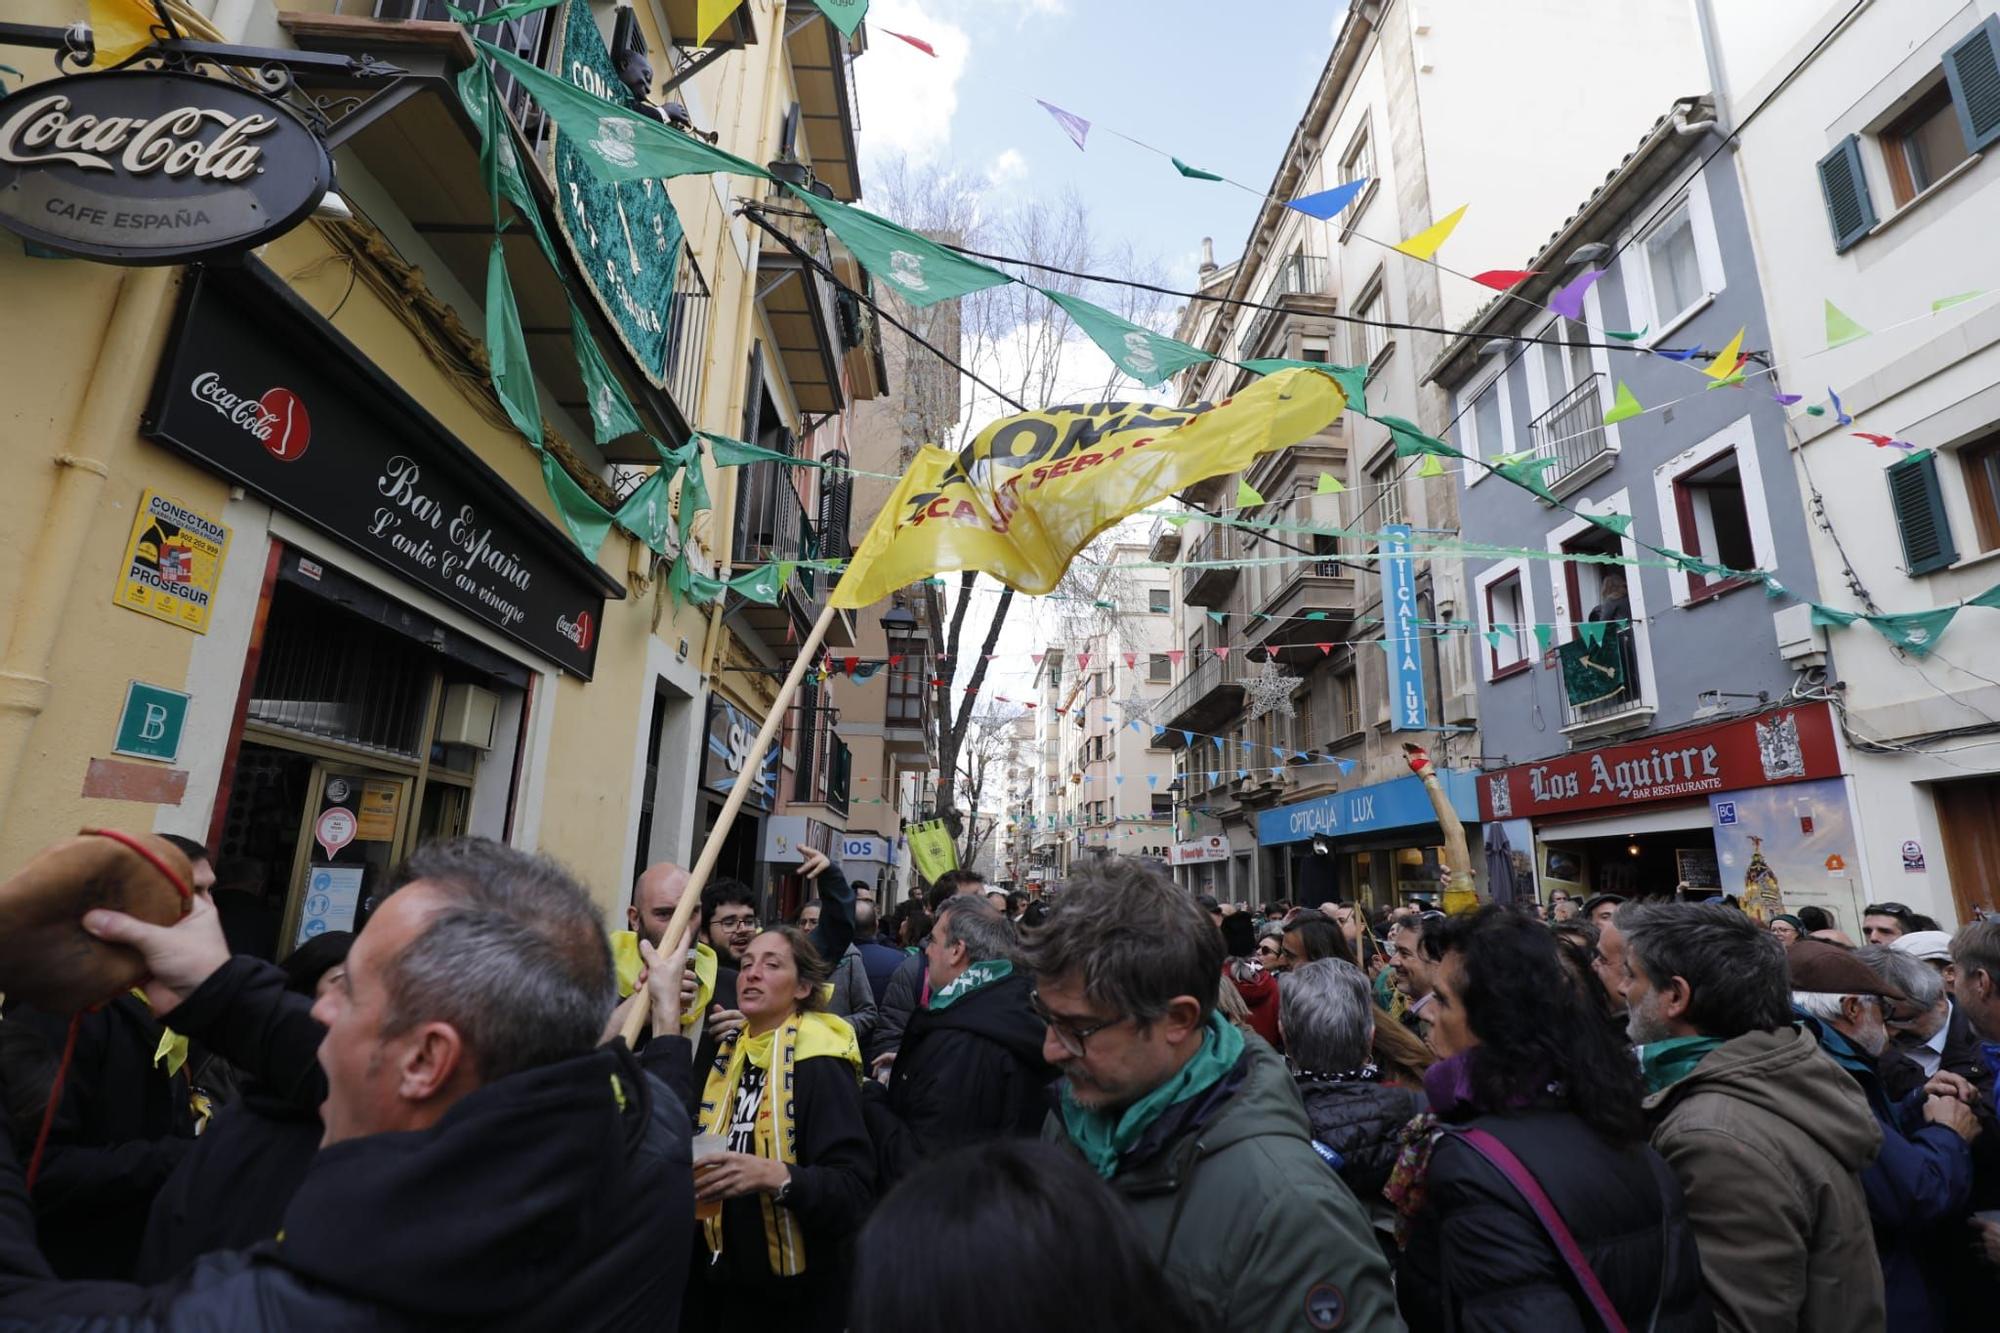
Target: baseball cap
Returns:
[1827, 969]
[1933, 946]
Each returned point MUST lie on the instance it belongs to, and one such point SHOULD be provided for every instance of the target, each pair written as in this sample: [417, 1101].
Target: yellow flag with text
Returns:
[932, 849]
[1029, 491]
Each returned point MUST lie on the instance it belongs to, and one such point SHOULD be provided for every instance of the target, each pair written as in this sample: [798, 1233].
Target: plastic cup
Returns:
[706, 1146]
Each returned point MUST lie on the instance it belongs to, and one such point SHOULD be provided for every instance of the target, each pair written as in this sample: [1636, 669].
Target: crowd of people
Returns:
[1115, 1105]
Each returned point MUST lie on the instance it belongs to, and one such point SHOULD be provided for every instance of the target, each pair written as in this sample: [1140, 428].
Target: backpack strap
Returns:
[1523, 1180]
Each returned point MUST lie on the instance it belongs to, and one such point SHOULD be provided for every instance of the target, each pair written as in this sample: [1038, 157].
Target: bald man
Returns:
[708, 989]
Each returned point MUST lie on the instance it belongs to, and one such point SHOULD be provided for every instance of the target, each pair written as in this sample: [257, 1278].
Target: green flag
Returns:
[1592, 631]
[1947, 302]
[1194, 173]
[845, 15]
[1246, 495]
[612, 415]
[1617, 523]
[646, 512]
[1527, 473]
[1592, 673]
[759, 585]
[1826, 617]
[584, 517]
[1411, 440]
[1148, 357]
[1989, 599]
[694, 485]
[1915, 632]
[922, 271]
[1624, 408]
[1626, 335]
[688, 586]
[729, 452]
[617, 144]
[1840, 327]
[507, 350]
[1544, 636]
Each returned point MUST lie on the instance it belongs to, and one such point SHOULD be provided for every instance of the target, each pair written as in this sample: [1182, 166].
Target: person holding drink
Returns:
[784, 1169]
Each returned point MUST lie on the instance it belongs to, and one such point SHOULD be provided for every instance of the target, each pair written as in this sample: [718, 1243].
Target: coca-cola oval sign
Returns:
[147, 167]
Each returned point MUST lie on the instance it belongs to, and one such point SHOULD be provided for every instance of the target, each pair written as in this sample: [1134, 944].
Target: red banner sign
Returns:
[1787, 745]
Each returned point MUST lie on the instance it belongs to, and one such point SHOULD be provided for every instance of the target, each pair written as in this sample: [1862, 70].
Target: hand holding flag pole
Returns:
[1460, 892]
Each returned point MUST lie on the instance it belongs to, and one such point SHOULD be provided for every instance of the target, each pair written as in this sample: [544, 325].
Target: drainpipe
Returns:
[111, 406]
[1711, 55]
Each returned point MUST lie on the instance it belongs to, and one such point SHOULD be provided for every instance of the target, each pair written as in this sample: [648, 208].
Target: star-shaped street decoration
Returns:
[1270, 691]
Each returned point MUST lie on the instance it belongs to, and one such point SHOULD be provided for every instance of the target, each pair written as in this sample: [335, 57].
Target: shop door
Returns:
[1969, 813]
[355, 826]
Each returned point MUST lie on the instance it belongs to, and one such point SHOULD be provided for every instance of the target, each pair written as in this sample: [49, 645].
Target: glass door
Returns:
[356, 823]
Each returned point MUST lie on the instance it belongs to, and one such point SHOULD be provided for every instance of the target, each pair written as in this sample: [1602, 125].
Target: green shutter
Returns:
[1919, 504]
[1972, 71]
[1849, 210]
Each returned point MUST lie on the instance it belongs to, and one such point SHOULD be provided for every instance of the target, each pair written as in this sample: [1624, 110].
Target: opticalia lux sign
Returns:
[258, 387]
[1383, 805]
[1784, 745]
[142, 167]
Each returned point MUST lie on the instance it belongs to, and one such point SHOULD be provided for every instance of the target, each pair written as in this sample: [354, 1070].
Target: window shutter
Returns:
[1848, 208]
[1972, 71]
[1919, 505]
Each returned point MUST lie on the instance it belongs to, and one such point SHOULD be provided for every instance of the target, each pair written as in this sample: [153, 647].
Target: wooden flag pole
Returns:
[711, 851]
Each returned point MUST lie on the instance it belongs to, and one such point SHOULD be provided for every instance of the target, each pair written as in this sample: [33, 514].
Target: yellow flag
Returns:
[1432, 466]
[1426, 242]
[121, 27]
[709, 15]
[932, 849]
[1727, 359]
[1029, 491]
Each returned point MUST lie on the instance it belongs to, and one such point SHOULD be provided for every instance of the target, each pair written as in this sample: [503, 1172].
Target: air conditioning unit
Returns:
[467, 716]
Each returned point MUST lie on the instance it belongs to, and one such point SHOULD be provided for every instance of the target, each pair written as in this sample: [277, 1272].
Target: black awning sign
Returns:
[154, 167]
[260, 388]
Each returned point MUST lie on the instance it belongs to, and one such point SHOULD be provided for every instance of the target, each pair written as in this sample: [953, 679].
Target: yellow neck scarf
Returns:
[625, 957]
[777, 1052]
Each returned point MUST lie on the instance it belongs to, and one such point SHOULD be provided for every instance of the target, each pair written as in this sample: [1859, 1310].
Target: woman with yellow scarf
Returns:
[797, 1177]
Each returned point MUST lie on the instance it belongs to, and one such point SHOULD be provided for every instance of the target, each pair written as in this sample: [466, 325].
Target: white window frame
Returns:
[1469, 440]
[1393, 466]
[1539, 397]
[1739, 438]
[1376, 288]
[1635, 267]
[1620, 502]
[1525, 635]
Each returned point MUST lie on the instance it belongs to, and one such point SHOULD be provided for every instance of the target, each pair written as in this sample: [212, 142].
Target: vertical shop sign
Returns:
[1402, 634]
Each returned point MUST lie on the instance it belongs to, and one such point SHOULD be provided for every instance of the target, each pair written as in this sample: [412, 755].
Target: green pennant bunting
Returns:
[1179, 520]
[1915, 632]
[758, 585]
[1148, 357]
[845, 15]
[647, 512]
[1411, 440]
[1216, 616]
[728, 452]
[1613, 523]
[1774, 589]
[1194, 173]
[1947, 302]
[1827, 617]
[694, 486]
[1626, 335]
[1840, 327]
[1246, 495]
[1493, 637]
[617, 144]
[1328, 485]
[507, 350]
[1729, 382]
[688, 586]
[584, 517]
[1527, 474]
[922, 271]
[1544, 636]
[1353, 380]
[1625, 407]
[1592, 631]
[612, 415]
[1432, 466]
[1989, 599]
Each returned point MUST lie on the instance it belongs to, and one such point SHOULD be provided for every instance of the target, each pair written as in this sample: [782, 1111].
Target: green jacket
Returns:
[1255, 1231]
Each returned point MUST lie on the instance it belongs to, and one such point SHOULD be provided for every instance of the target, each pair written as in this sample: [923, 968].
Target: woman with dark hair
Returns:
[231, 1189]
[1010, 1235]
[1257, 988]
[1533, 1200]
[779, 1202]
[1311, 936]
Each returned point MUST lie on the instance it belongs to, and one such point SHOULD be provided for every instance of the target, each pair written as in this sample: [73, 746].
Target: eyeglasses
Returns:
[735, 923]
[1069, 1034]
[1896, 910]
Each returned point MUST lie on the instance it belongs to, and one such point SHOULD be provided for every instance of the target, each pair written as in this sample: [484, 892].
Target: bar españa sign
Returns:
[145, 167]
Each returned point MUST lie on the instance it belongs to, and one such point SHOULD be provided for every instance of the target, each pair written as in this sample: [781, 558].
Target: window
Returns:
[1673, 266]
[1565, 357]
[1159, 601]
[1159, 667]
[1596, 591]
[1313, 349]
[1490, 432]
[1388, 491]
[1918, 503]
[1507, 613]
[1923, 144]
[1371, 338]
[1303, 735]
[1346, 703]
[1714, 520]
[1163, 806]
[1980, 462]
[1359, 159]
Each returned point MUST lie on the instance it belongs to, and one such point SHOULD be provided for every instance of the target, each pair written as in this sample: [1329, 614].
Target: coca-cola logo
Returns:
[276, 418]
[48, 130]
[581, 631]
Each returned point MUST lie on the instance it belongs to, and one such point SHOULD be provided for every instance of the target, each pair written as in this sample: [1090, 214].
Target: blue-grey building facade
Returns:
[1703, 469]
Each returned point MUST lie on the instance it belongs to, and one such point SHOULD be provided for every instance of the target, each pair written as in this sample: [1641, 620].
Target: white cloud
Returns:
[908, 99]
[1009, 168]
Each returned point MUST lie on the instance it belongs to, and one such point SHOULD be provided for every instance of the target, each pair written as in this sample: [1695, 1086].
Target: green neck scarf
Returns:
[1665, 1063]
[976, 977]
[1104, 1136]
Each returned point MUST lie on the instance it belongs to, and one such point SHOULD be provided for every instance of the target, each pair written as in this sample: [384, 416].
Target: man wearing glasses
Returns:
[1196, 1126]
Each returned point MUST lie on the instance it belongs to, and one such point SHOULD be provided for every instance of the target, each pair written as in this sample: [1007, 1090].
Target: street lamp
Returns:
[899, 621]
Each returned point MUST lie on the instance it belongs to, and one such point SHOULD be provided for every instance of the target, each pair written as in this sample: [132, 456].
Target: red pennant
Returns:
[937, 680]
[1222, 653]
[1061, 711]
[791, 632]
[1082, 661]
[917, 42]
[1325, 648]
[1037, 657]
[849, 663]
[1270, 653]
[1031, 705]
[1500, 279]
[1131, 660]
[1175, 655]
[895, 659]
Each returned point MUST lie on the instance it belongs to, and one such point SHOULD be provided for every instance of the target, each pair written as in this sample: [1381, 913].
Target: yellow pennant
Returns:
[1426, 242]
[1432, 466]
[1029, 491]
[121, 27]
[1727, 359]
[1246, 495]
[709, 15]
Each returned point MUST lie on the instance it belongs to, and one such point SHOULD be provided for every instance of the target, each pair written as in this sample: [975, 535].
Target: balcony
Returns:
[1298, 289]
[1321, 589]
[823, 72]
[1572, 433]
[1625, 710]
[1163, 543]
[1203, 584]
[804, 314]
[772, 525]
[1207, 696]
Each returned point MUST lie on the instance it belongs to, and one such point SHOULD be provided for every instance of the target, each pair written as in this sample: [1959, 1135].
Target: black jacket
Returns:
[123, 1125]
[968, 1072]
[559, 1197]
[894, 1009]
[833, 1187]
[1360, 1121]
[1479, 1259]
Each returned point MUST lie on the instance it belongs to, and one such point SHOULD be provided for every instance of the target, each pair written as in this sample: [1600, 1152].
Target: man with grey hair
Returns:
[971, 1065]
[1766, 1135]
[1975, 960]
[1930, 1035]
[485, 1161]
[1923, 1176]
[1199, 1131]
[1326, 1013]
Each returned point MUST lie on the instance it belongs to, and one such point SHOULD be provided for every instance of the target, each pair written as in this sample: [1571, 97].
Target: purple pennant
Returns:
[1673, 354]
[1075, 126]
[1568, 300]
[1786, 399]
[1327, 204]
[1839, 411]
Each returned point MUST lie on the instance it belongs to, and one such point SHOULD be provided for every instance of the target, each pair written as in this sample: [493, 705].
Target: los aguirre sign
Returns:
[259, 387]
[145, 167]
[1784, 745]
